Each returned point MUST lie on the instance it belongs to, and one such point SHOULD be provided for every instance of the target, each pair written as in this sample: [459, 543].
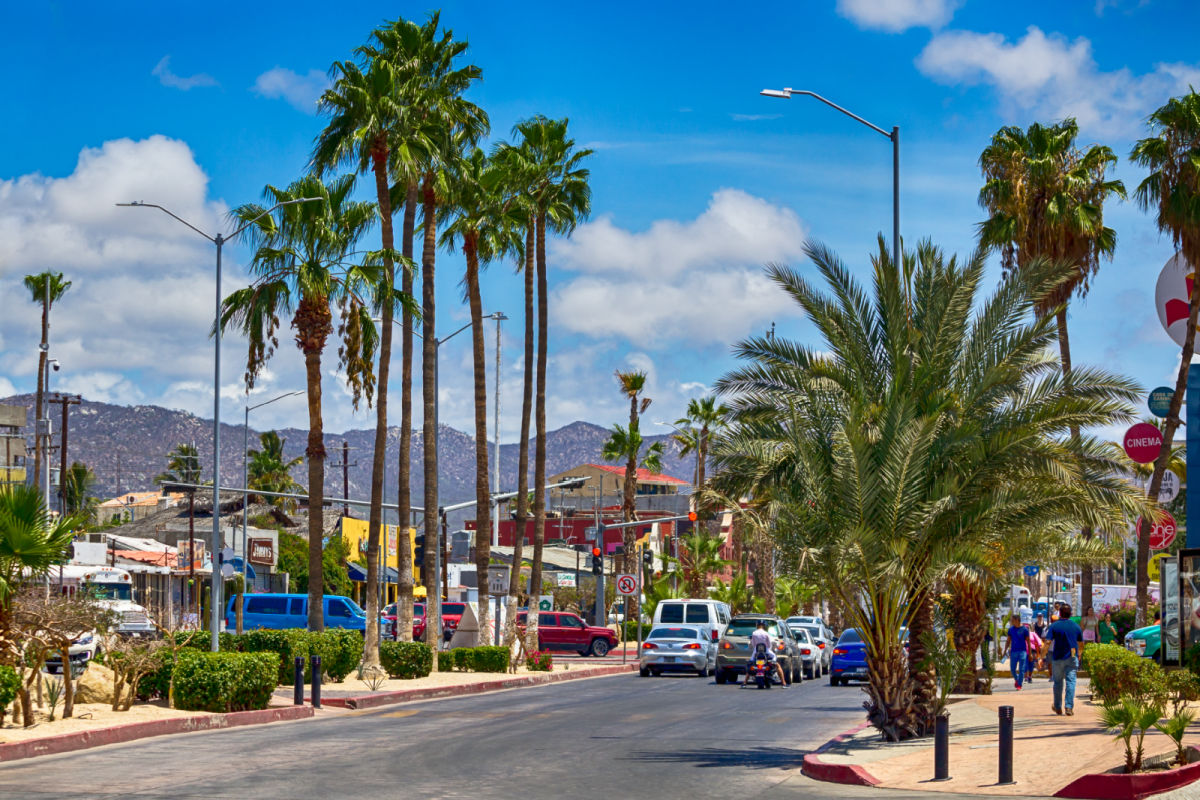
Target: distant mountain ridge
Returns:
[126, 446]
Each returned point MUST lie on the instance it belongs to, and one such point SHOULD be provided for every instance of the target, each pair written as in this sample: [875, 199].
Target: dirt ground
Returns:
[87, 716]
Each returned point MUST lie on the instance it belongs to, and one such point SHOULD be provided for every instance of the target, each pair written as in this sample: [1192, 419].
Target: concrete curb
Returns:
[1118, 786]
[849, 774]
[434, 692]
[82, 740]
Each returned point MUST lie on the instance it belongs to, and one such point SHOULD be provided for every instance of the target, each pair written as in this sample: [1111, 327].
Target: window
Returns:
[569, 621]
[338, 608]
[673, 633]
[355, 608]
[453, 609]
[298, 606]
[266, 605]
[696, 612]
[547, 620]
[671, 612]
[745, 627]
[850, 635]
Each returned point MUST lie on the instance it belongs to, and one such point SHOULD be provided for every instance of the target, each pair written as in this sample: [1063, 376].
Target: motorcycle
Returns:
[761, 669]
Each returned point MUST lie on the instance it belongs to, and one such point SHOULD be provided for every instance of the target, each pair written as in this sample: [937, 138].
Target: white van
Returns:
[711, 613]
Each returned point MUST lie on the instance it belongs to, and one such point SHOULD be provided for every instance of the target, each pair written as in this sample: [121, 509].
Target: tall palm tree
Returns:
[269, 469]
[481, 222]
[1045, 199]
[305, 266]
[626, 445]
[632, 384]
[45, 289]
[701, 554]
[559, 198]
[183, 466]
[929, 424]
[704, 417]
[77, 483]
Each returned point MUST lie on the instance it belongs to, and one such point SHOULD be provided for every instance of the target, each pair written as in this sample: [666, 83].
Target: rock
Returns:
[95, 685]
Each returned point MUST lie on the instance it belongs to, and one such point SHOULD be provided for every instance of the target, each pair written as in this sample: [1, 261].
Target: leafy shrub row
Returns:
[406, 659]
[1116, 672]
[222, 682]
[474, 659]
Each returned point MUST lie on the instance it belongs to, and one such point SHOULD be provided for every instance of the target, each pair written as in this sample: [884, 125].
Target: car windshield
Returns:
[453, 608]
[418, 609]
[673, 633]
[110, 591]
[355, 607]
[812, 630]
[849, 636]
[801, 635]
[745, 627]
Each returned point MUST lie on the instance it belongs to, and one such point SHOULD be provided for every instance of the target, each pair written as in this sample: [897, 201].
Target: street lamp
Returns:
[219, 240]
[246, 475]
[788, 93]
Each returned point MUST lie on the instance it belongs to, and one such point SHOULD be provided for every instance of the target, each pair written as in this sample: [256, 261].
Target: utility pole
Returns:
[67, 400]
[345, 464]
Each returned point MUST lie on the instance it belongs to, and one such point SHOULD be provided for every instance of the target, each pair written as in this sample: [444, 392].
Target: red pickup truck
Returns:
[389, 614]
[564, 631]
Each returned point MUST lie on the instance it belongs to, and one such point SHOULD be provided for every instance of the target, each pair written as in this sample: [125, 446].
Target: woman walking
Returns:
[1090, 624]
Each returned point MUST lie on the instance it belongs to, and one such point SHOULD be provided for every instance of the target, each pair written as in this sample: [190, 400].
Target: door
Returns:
[572, 632]
[298, 612]
[267, 611]
[549, 633]
[338, 614]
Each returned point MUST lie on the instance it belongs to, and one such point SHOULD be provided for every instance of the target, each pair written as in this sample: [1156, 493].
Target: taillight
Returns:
[726, 646]
[840, 651]
[805, 651]
[692, 646]
[780, 647]
[649, 646]
[821, 645]
[715, 636]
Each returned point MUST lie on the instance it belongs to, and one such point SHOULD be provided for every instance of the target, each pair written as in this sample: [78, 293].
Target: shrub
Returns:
[539, 661]
[223, 682]
[1191, 659]
[281, 642]
[343, 651]
[406, 660]
[10, 683]
[1183, 687]
[490, 659]
[1116, 673]
[447, 660]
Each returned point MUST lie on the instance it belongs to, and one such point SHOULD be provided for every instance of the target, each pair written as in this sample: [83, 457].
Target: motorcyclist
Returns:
[762, 645]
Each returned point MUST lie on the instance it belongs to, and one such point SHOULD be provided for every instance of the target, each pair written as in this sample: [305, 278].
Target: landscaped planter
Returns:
[1120, 786]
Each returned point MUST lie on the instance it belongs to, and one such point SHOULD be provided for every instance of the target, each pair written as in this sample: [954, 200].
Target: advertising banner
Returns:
[1169, 582]
[1189, 598]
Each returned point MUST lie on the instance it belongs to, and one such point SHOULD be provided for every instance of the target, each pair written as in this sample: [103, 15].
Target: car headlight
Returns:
[85, 639]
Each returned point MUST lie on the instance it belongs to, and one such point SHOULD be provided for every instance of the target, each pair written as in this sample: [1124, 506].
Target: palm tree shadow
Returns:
[758, 758]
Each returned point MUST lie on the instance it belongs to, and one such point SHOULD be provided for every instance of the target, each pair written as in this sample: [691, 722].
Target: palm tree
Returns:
[480, 220]
[270, 470]
[1045, 199]
[559, 198]
[31, 541]
[625, 444]
[701, 554]
[704, 417]
[930, 424]
[183, 466]
[77, 483]
[632, 383]
[1172, 191]
[304, 266]
[45, 289]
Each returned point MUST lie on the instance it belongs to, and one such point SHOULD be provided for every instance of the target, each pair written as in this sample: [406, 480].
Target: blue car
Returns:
[849, 659]
[278, 611]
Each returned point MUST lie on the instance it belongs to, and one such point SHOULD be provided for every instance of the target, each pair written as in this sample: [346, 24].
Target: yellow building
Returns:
[355, 533]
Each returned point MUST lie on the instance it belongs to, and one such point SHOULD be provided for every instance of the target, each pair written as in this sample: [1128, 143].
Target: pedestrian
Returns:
[1089, 623]
[1108, 631]
[1026, 615]
[1017, 650]
[1039, 626]
[1064, 660]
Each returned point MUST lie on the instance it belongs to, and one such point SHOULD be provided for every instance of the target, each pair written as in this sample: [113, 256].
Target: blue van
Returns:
[291, 611]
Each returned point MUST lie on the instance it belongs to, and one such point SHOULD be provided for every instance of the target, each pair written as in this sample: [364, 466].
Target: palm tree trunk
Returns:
[1064, 350]
[483, 492]
[920, 678]
[313, 326]
[970, 613]
[514, 580]
[1170, 425]
[41, 392]
[429, 354]
[379, 457]
[404, 589]
[539, 445]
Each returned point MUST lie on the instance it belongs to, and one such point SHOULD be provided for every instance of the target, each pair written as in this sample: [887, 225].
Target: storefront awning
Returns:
[358, 574]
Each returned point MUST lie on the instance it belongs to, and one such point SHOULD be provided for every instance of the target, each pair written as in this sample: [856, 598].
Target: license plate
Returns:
[669, 659]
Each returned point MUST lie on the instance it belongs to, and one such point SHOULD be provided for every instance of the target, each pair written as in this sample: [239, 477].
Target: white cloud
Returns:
[162, 71]
[699, 281]
[753, 117]
[300, 91]
[896, 16]
[1054, 78]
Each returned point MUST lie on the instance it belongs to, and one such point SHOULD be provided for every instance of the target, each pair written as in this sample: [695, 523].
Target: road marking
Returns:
[398, 714]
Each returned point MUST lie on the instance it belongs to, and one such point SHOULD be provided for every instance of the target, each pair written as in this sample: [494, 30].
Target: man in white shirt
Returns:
[762, 638]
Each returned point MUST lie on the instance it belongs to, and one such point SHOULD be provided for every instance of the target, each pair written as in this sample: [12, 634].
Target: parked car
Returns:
[805, 620]
[84, 649]
[1145, 641]
[678, 648]
[451, 616]
[560, 630]
[278, 611]
[734, 649]
[713, 614]
[821, 637]
[850, 657]
[810, 654]
[418, 634]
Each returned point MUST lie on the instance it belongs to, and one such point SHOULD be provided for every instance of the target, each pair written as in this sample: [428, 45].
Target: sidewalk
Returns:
[1049, 751]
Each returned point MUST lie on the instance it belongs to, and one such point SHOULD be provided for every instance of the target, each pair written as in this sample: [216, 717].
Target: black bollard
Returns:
[1006, 745]
[316, 681]
[941, 748]
[298, 682]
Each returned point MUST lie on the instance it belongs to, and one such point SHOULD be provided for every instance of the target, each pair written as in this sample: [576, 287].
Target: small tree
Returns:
[131, 660]
[1129, 718]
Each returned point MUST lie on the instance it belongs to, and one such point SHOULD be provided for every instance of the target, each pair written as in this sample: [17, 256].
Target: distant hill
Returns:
[126, 447]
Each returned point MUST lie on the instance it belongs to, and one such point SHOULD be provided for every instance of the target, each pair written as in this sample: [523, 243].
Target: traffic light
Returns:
[692, 516]
[597, 561]
[419, 550]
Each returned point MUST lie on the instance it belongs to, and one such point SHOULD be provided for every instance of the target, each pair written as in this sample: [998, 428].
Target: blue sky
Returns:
[697, 180]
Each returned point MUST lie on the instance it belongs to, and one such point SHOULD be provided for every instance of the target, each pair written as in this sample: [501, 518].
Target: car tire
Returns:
[599, 648]
[798, 675]
[645, 673]
[719, 676]
[702, 672]
[834, 680]
[809, 673]
[656, 673]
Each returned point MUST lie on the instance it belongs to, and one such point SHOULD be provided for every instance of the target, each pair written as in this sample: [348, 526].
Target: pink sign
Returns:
[1162, 533]
[1143, 442]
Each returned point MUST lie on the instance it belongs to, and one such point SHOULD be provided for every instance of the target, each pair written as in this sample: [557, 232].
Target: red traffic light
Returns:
[595, 552]
[692, 516]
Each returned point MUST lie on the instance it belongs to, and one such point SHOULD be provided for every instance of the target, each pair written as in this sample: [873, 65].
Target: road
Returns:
[603, 738]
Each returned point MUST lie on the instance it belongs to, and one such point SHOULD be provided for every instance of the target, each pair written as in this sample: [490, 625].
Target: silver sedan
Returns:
[678, 648]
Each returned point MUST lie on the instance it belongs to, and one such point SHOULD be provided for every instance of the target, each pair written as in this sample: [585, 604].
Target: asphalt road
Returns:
[615, 737]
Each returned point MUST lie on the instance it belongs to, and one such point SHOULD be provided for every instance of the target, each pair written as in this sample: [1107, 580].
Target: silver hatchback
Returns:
[678, 648]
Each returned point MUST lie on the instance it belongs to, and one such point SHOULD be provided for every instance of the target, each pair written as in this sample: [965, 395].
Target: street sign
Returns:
[627, 585]
[1154, 568]
[1168, 490]
[1031, 570]
[546, 602]
[1162, 532]
[1159, 401]
[498, 580]
[1142, 442]
[1171, 296]
[566, 580]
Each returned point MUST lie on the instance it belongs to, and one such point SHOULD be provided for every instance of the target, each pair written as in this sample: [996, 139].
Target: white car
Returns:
[678, 648]
[822, 639]
[83, 650]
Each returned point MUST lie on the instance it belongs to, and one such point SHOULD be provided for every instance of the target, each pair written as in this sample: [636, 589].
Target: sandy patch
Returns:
[353, 686]
[88, 716]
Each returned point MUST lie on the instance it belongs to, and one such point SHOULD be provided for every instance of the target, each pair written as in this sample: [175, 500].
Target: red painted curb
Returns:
[849, 774]
[432, 693]
[81, 740]
[1116, 786]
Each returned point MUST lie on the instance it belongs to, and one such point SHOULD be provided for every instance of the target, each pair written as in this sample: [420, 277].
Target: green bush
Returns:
[1183, 687]
[490, 659]
[340, 650]
[223, 682]
[406, 659]
[343, 651]
[1116, 673]
[447, 660]
[10, 682]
